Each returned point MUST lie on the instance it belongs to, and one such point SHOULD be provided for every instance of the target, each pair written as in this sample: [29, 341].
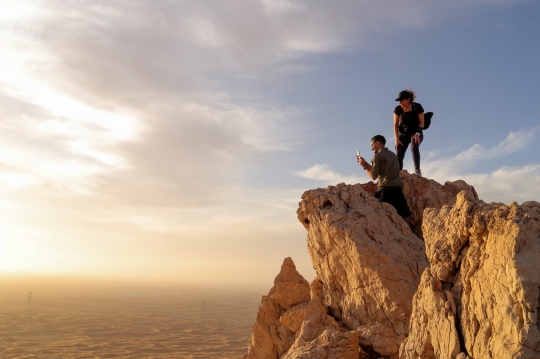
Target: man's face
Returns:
[375, 146]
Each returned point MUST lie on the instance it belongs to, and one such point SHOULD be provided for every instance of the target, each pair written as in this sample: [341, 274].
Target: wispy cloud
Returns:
[323, 173]
[440, 166]
[504, 184]
[119, 102]
[118, 118]
[142, 90]
[507, 184]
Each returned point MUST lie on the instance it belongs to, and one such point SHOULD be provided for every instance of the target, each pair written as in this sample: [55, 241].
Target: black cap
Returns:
[403, 95]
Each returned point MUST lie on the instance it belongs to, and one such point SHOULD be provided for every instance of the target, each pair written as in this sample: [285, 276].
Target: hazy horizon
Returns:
[40, 280]
[92, 319]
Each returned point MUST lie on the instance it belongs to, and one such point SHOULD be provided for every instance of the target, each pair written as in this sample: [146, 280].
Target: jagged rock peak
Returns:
[289, 329]
[272, 337]
[290, 288]
[365, 255]
[483, 283]
[464, 284]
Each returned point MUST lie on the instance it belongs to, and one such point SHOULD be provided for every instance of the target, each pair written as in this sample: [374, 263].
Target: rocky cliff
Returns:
[463, 283]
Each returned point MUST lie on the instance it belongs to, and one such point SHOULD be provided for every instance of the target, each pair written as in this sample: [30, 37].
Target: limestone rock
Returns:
[422, 193]
[331, 344]
[469, 290]
[433, 323]
[270, 337]
[365, 255]
[488, 255]
[262, 344]
[315, 322]
[294, 317]
[379, 339]
[448, 231]
[316, 288]
[290, 288]
[497, 286]
[370, 187]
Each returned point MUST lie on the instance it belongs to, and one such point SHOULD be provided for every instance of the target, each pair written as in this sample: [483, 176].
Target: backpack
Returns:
[427, 119]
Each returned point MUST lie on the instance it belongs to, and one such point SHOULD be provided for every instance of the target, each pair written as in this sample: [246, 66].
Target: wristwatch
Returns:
[364, 167]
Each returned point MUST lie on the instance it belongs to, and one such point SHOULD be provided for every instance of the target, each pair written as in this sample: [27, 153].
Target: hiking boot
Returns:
[418, 172]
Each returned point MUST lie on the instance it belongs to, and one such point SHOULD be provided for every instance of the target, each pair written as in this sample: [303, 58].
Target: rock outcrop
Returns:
[299, 328]
[464, 284]
[422, 193]
[330, 344]
[483, 283]
[433, 322]
[366, 256]
[271, 338]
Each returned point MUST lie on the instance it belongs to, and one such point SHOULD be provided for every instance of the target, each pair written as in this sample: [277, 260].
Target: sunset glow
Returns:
[172, 140]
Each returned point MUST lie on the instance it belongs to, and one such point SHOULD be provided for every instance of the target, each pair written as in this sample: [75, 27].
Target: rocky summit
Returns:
[462, 281]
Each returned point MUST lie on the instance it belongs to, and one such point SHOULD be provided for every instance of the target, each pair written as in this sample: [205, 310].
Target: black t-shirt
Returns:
[409, 122]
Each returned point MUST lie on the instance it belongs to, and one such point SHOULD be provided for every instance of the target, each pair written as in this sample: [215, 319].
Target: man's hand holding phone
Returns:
[360, 159]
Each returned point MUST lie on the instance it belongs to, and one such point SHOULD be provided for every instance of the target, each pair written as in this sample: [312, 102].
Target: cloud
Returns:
[121, 118]
[447, 166]
[322, 172]
[126, 107]
[507, 183]
[38, 147]
[514, 142]
[158, 94]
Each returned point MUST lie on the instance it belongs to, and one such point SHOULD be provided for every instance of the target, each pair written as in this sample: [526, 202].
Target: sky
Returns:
[172, 140]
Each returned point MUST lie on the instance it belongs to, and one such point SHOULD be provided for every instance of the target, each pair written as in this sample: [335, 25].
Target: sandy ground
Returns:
[77, 319]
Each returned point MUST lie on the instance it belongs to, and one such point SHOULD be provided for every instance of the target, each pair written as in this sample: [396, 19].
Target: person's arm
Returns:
[416, 137]
[367, 167]
[396, 130]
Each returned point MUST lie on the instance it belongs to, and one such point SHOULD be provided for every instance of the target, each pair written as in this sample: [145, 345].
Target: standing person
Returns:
[385, 167]
[408, 126]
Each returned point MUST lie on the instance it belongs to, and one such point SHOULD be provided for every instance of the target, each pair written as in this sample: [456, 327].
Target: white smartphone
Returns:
[358, 153]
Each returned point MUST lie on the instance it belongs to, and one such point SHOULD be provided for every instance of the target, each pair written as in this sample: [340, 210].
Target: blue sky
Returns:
[172, 140]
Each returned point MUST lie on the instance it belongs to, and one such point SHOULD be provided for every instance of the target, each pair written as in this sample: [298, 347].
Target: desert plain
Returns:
[82, 318]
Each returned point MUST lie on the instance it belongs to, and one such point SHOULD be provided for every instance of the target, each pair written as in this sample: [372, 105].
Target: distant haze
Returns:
[172, 140]
[78, 317]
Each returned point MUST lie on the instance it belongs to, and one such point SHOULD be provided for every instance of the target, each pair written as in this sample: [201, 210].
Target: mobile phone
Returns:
[358, 153]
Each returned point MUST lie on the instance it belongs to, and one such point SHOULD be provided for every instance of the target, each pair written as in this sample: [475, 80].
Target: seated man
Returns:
[385, 167]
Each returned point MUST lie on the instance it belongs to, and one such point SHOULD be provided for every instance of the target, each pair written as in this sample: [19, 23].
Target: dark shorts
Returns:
[394, 196]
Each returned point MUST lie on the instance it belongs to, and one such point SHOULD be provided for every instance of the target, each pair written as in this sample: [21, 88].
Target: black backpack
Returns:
[427, 119]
